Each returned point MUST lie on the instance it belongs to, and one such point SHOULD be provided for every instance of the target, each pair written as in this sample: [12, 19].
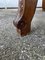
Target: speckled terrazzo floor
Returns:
[15, 47]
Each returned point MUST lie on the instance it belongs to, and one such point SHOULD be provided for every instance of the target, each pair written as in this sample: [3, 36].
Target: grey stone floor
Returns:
[15, 47]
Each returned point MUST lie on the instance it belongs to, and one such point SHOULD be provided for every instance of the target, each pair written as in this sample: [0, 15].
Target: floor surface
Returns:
[15, 47]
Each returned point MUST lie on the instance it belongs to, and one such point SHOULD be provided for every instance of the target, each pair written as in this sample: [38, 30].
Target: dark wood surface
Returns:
[43, 4]
[25, 14]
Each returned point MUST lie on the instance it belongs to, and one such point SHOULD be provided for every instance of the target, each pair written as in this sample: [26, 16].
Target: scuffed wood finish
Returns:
[25, 14]
[43, 5]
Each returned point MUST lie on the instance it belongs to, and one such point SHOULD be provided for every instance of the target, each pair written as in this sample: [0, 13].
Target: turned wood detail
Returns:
[25, 14]
[43, 4]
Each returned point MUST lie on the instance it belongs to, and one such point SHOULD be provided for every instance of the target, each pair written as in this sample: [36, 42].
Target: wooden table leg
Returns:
[43, 5]
[26, 12]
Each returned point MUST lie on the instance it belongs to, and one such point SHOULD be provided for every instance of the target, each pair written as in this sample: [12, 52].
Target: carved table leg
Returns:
[26, 12]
